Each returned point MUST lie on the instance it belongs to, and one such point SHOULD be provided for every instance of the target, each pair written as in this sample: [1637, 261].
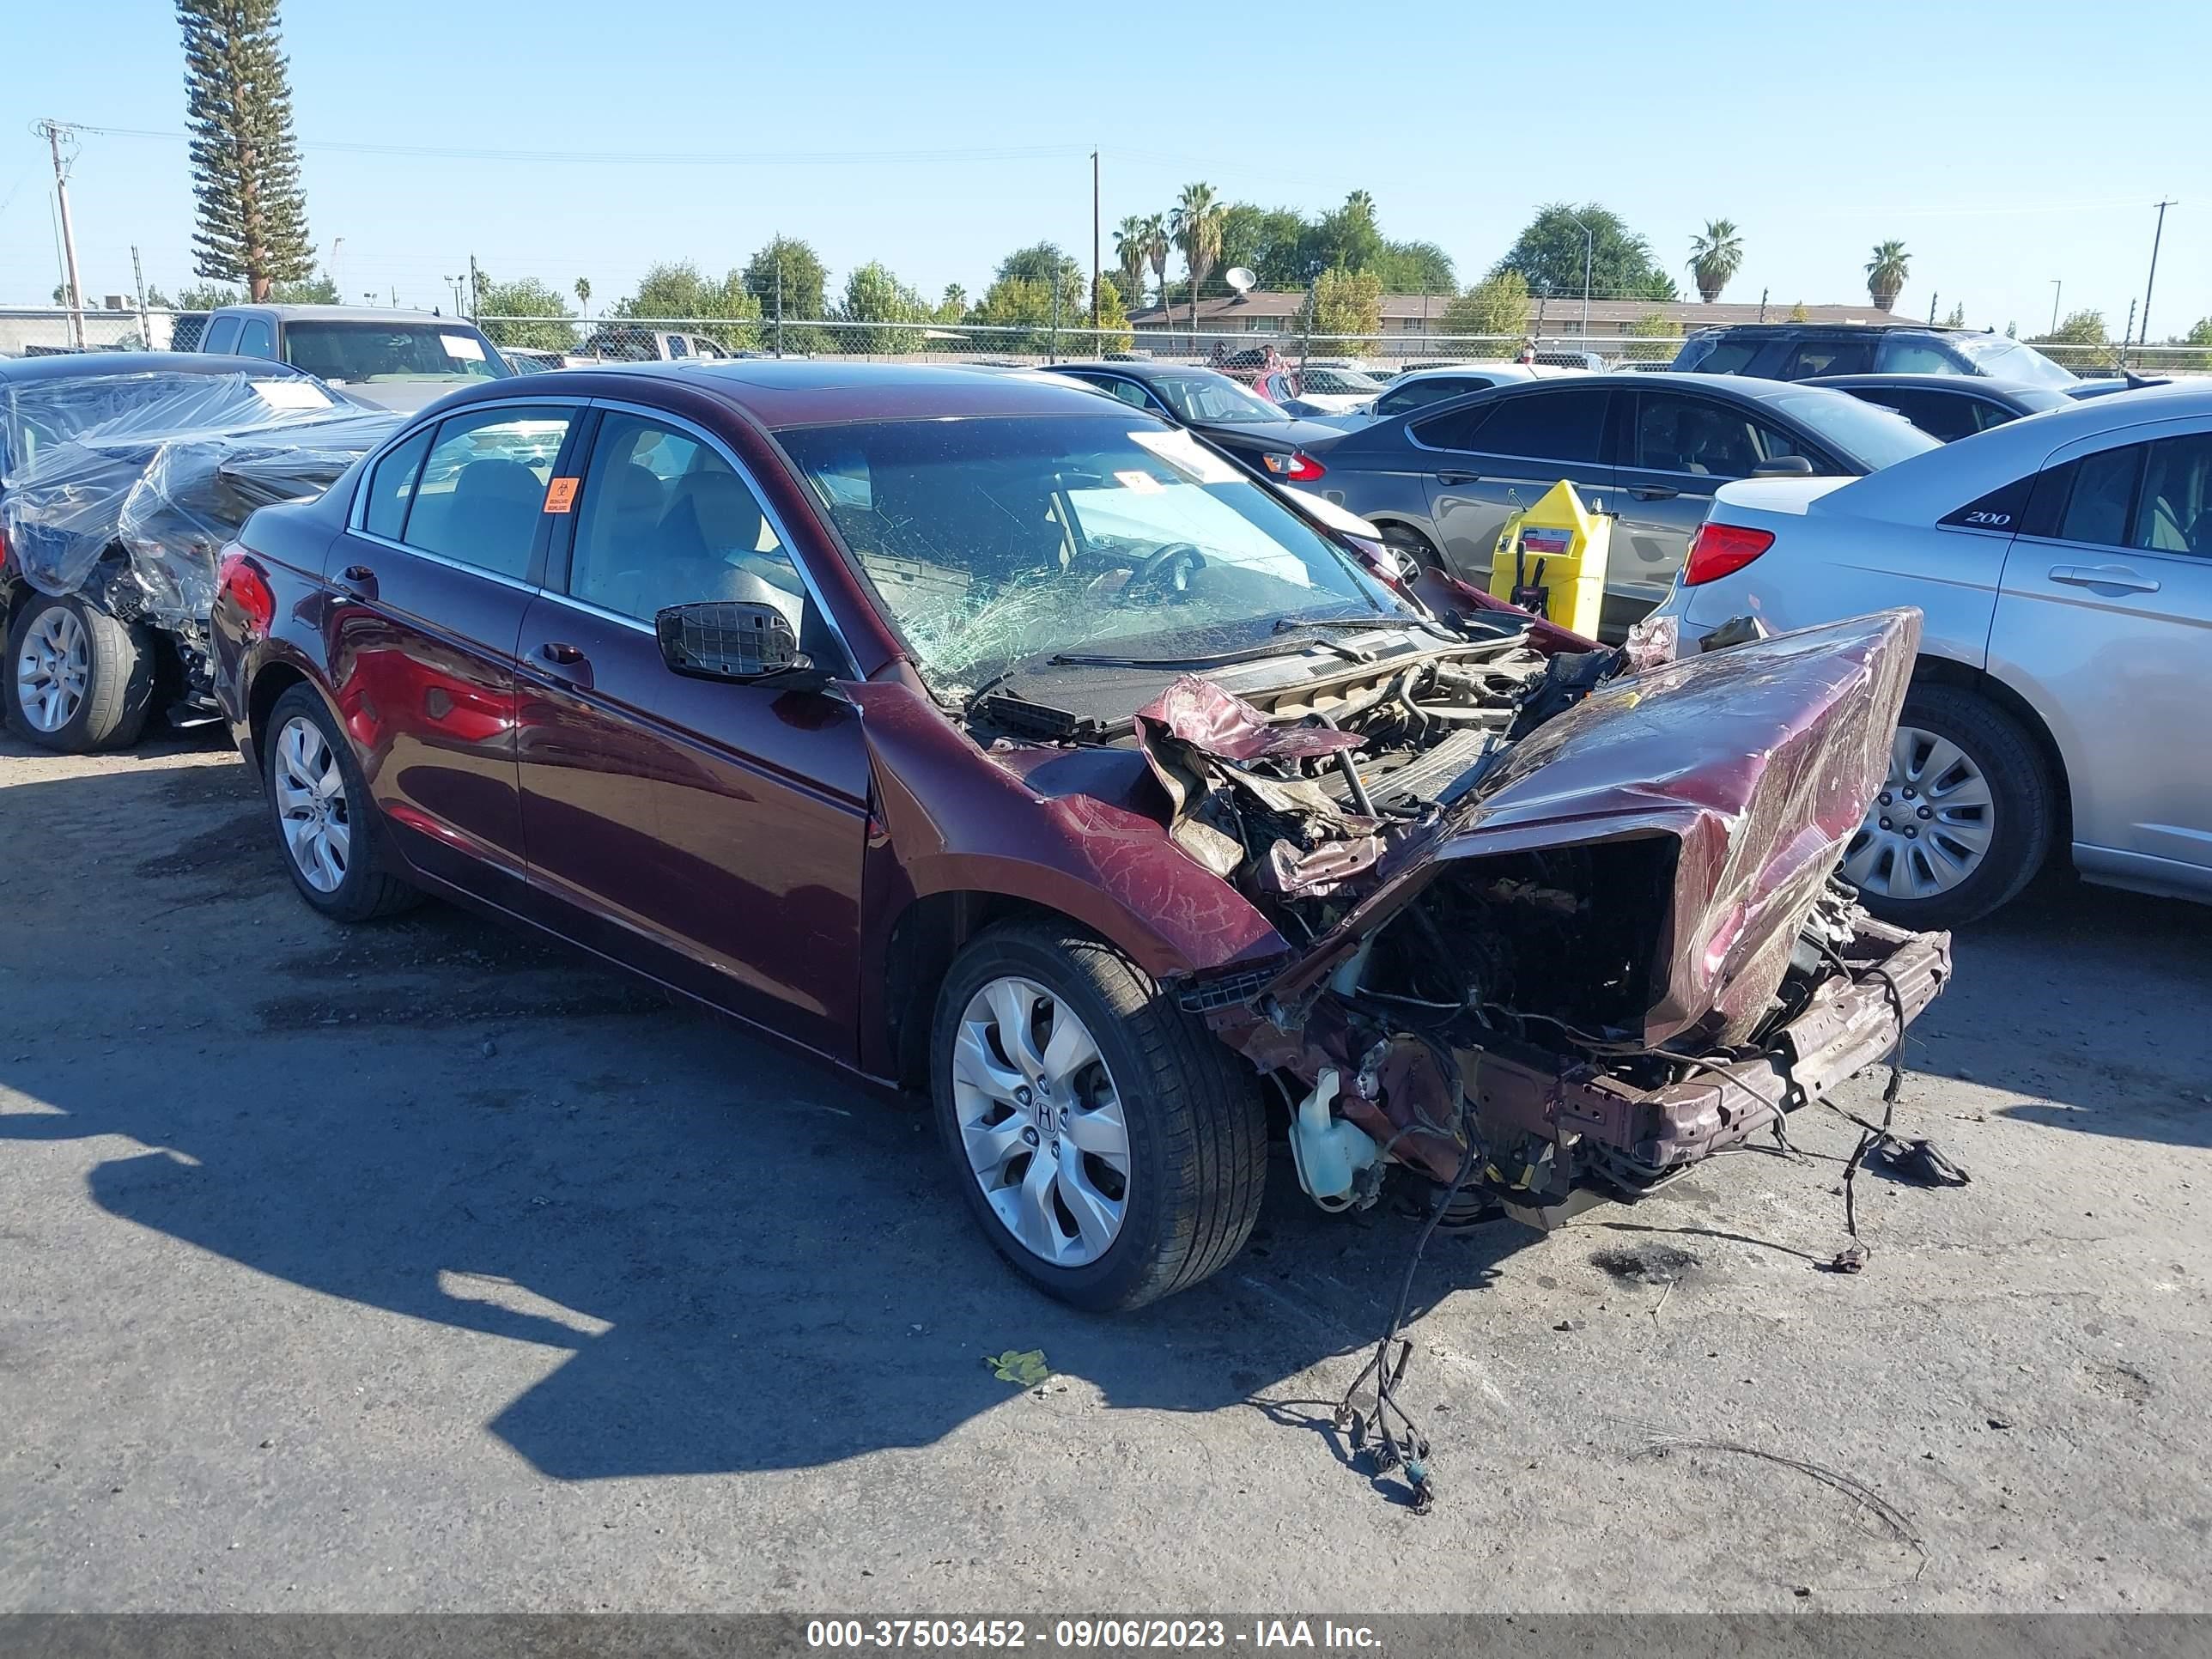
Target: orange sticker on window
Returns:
[560, 494]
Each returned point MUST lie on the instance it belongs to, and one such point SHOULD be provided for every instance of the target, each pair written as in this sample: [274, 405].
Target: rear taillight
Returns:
[1722, 549]
[4, 548]
[243, 586]
[1305, 469]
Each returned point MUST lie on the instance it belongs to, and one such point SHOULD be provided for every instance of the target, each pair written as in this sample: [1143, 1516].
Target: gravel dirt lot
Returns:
[425, 1266]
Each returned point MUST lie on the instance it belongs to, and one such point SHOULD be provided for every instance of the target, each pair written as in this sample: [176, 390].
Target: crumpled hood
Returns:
[1758, 760]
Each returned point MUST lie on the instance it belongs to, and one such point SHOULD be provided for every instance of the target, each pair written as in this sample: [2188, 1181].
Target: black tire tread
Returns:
[1203, 1107]
[121, 694]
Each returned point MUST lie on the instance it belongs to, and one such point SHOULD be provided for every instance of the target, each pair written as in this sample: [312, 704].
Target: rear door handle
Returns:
[1654, 494]
[2103, 575]
[567, 664]
[359, 579]
[1458, 477]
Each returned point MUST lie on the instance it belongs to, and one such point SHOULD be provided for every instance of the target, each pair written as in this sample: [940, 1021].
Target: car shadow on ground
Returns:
[736, 1260]
[2064, 1000]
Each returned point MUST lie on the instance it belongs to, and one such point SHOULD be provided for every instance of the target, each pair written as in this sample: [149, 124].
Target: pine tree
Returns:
[246, 159]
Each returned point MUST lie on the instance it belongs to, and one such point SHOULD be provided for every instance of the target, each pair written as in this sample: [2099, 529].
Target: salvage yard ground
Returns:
[429, 1266]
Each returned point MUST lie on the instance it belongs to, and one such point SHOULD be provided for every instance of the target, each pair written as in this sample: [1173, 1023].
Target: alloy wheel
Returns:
[311, 804]
[1040, 1121]
[53, 669]
[1929, 828]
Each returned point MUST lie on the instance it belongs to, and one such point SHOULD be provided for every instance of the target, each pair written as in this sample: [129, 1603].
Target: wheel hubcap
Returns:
[53, 669]
[1930, 827]
[1041, 1122]
[311, 804]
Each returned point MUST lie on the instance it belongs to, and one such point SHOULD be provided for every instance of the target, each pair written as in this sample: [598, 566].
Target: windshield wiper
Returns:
[1209, 660]
[1301, 625]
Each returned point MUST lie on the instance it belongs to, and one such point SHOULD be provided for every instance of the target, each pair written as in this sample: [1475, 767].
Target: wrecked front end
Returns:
[1566, 929]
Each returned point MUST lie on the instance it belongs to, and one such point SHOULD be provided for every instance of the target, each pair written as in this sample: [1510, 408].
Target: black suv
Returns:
[1798, 351]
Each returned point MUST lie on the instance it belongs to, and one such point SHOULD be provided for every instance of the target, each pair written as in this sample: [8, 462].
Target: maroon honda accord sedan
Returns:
[986, 738]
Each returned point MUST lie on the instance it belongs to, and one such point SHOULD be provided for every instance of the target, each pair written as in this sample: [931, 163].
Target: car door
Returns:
[1674, 450]
[708, 832]
[428, 585]
[1486, 460]
[2104, 622]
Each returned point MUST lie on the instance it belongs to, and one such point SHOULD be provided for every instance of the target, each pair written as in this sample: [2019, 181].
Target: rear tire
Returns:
[327, 825]
[78, 680]
[1194, 1130]
[1415, 546]
[2014, 829]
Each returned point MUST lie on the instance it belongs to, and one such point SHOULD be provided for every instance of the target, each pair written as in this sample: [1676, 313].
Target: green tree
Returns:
[1346, 239]
[1415, 268]
[584, 295]
[1129, 246]
[1549, 253]
[1156, 251]
[252, 214]
[1798, 313]
[1348, 304]
[1496, 308]
[1716, 255]
[1021, 311]
[1114, 333]
[725, 311]
[529, 298]
[1048, 262]
[1885, 274]
[804, 283]
[1269, 242]
[1957, 317]
[954, 306]
[206, 296]
[2201, 335]
[1657, 337]
[1196, 224]
[874, 295]
[316, 291]
[2080, 328]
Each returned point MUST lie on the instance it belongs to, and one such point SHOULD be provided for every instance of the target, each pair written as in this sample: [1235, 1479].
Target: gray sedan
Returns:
[1650, 450]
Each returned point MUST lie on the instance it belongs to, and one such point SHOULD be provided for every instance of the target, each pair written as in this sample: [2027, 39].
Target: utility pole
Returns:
[1762, 304]
[1932, 298]
[1094, 243]
[1052, 345]
[2058, 288]
[476, 289]
[338, 286]
[138, 283]
[779, 294]
[2127, 334]
[53, 132]
[2154, 238]
[1589, 244]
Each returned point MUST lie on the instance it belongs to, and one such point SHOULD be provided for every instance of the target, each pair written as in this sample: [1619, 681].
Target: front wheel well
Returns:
[1945, 671]
[924, 939]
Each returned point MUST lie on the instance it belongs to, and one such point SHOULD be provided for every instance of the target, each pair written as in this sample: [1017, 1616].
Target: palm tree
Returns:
[1196, 224]
[1885, 274]
[1156, 252]
[1714, 258]
[584, 293]
[1131, 246]
[1360, 202]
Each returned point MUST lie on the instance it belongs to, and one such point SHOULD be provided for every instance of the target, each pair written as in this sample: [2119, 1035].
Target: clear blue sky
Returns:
[2005, 143]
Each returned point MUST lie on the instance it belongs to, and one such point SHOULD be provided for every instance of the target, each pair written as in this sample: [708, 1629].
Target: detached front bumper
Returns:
[1601, 1126]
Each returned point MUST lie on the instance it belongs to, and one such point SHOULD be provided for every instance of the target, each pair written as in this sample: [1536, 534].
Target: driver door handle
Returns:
[1458, 477]
[1654, 493]
[2103, 575]
[358, 581]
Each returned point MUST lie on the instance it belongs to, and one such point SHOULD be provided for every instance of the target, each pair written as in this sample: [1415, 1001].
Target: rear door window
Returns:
[391, 487]
[1939, 414]
[1731, 353]
[221, 335]
[2102, 499]
[257, 338]
[483, 490]
[1551, 425]
[1701, 437]
[1833, 355]
[2173, 513]
[1914, 354]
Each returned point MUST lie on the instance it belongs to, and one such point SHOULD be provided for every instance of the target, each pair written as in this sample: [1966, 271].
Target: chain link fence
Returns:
[537, 343]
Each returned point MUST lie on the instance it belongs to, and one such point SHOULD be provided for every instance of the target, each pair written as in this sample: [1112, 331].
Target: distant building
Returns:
[1276, 311]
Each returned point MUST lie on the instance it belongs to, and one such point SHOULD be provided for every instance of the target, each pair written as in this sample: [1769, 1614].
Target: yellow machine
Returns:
[1551, 558]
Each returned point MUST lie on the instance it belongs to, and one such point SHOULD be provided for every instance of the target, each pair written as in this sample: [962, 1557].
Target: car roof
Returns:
[1970, 384]
[1151, 369]
[1957, 473]
[347, 314]
[70, 365]
[799, 392]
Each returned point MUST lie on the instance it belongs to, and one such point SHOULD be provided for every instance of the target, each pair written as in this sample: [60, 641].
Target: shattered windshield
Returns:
[1000, 541]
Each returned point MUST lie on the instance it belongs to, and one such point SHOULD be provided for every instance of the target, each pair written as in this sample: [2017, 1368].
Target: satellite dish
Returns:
[1240, 278]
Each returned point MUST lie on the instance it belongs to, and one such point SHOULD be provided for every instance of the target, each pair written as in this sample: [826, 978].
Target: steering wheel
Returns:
[1183, 556]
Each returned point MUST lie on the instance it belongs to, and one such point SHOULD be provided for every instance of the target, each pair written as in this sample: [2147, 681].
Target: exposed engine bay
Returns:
[1565, 926]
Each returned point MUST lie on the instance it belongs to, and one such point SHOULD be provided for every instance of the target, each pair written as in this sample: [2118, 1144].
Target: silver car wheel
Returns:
[53, 669]
[311, 804]
[1929, 827]
[1040, 1121]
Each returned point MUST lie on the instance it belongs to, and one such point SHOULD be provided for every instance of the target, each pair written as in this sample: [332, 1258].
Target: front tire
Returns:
[78, 680]
[1420, 548]
[325, 820]
[1105, 1139]
[1963, 821]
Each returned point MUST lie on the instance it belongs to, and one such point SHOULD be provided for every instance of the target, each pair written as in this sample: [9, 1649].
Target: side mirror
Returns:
[1783, 466]
[728, 640]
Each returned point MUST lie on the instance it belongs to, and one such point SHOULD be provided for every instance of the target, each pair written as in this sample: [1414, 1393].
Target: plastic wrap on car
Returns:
[167, 483]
